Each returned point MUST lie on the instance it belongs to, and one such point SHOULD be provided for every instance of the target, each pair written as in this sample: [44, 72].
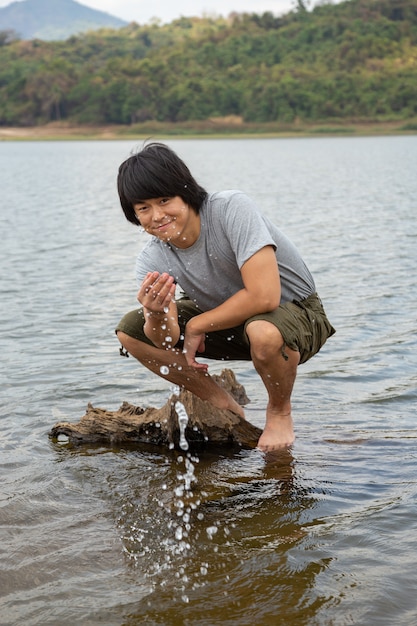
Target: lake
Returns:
[323, 534]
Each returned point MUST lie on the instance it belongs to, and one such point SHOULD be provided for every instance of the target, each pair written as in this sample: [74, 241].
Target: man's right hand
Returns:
[157, 292]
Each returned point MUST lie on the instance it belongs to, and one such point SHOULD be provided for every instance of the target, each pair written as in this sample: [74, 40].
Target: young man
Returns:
[247, 294]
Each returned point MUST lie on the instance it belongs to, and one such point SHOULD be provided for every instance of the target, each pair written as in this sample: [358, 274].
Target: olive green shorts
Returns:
[303, 325]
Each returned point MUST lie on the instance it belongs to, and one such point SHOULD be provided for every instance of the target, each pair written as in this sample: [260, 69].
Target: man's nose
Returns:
[158, 213]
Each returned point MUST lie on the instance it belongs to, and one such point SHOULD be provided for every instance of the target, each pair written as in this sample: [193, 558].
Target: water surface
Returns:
[324, 534]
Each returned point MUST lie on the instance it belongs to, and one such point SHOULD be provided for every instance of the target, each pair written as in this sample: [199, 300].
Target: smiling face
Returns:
[169, 219]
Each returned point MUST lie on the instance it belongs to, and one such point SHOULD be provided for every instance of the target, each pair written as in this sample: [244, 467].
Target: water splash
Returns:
[168, 557]
[182, 422]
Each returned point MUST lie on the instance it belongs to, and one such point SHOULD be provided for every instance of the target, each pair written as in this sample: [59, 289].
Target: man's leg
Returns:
[278, 371]
[179, 373]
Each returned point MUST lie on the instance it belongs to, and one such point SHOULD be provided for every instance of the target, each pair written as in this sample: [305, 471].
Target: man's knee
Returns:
[131, 345]
[128, 341]
[265, 340]
[125, 341]
[122, 337]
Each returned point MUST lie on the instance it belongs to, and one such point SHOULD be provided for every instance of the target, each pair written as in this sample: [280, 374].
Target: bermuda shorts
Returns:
[303, 325]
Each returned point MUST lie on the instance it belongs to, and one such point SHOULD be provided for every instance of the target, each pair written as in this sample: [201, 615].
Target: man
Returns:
[247, 293]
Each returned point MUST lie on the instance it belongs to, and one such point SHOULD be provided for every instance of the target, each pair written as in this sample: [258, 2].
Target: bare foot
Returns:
[236, 408]
[226, 402]
[278, 432]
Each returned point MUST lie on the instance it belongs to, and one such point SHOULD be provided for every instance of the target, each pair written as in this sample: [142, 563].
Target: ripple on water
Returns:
[322, 535]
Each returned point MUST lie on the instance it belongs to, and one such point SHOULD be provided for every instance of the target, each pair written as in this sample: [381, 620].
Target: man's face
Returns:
[170, 220]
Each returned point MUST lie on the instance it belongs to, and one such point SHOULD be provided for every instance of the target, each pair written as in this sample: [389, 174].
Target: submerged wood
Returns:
[135, 425]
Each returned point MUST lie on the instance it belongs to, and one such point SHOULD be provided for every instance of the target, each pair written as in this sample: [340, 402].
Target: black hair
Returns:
[156, 172]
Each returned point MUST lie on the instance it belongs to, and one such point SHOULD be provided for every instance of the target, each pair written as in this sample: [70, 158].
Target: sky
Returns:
[142, 11]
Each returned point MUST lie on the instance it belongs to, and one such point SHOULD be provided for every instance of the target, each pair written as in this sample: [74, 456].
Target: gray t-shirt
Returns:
[232, 230]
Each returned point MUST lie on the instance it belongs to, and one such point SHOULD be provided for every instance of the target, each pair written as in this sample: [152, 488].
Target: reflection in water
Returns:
[239, 517]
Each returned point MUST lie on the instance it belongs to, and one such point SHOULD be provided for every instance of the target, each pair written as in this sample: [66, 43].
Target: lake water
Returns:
[324, 534]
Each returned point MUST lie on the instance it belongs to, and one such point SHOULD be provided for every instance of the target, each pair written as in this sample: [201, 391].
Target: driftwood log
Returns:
[134, 425]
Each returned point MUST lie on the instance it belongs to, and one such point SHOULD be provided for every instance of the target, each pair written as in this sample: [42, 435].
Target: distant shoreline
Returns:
[224, 128]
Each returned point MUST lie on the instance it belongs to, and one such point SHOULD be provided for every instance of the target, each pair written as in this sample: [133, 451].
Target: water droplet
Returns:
[164, 370]
[168, 339]
[211, 531]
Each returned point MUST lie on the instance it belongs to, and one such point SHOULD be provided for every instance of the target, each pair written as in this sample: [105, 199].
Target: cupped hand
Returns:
[156, 291]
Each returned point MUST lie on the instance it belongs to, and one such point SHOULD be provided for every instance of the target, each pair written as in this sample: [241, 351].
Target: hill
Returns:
[356, 60]
[53, 19]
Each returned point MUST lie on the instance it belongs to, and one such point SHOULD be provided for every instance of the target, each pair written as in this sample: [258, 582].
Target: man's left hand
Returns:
[193, 343]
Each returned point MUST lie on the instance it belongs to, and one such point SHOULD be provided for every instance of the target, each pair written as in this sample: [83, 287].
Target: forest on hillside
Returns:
[356, 60]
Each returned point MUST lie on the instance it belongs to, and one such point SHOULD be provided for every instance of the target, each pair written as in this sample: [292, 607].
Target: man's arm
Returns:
[156, 294]
[261, 293]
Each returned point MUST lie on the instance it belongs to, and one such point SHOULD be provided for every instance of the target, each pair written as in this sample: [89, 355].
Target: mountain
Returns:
[53, 19]
[341, 63]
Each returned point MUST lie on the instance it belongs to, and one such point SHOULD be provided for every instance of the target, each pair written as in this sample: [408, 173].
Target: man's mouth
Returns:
[163, 226]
